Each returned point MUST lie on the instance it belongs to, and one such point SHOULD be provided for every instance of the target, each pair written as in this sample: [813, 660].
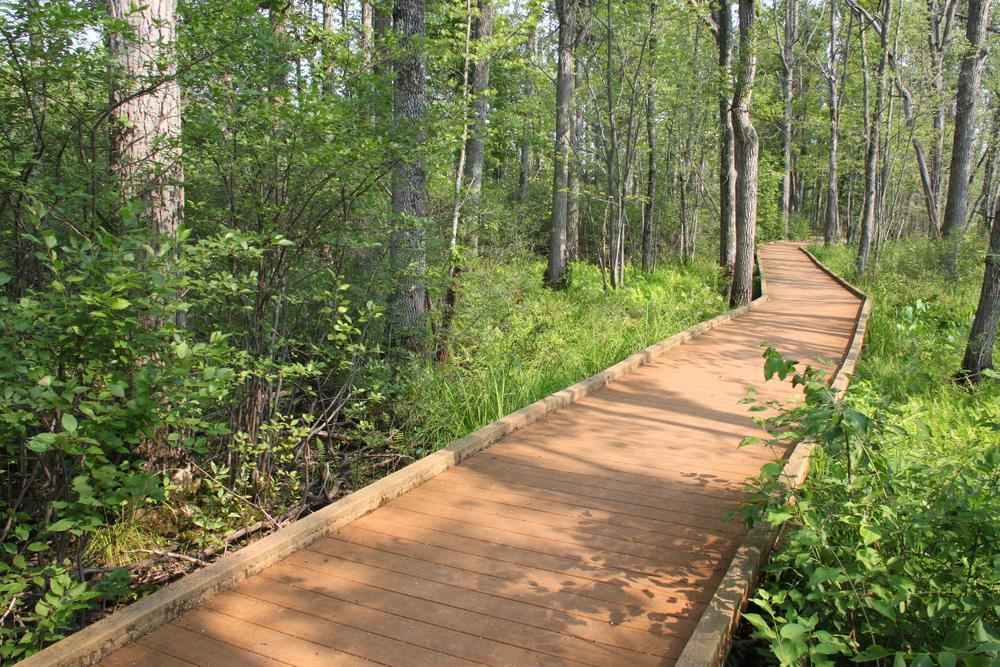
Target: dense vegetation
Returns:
[889, 550]
[257, 253]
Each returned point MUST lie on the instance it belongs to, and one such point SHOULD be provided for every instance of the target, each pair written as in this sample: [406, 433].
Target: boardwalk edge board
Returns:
[95, 642]
[710, 641]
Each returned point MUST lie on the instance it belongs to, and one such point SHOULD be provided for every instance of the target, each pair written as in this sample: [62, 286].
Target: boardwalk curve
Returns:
[595, 534]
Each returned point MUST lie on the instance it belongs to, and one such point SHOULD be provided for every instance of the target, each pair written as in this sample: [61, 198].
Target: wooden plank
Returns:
[201, 649]
[551, 610]
[142, 656]
[486, 638]
[656, 533]
[602, 596]
[261, 640]
[577, 490]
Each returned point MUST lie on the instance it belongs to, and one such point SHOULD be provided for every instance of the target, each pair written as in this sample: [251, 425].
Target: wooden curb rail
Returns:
[710, 641]
[93, 643]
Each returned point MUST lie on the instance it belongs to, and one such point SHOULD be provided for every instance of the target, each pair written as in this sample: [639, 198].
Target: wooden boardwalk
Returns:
[596, 535]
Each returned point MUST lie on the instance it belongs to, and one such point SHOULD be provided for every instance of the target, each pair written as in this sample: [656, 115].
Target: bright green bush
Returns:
[889, 551]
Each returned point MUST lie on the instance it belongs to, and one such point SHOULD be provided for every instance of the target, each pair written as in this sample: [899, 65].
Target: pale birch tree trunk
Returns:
[787, 85]
[727, 168]
[747, 149]
[146, 157]
[476, 145]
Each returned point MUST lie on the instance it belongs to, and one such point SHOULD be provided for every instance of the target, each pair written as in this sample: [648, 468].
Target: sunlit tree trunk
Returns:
[979, 351]
[476, 144]
[648, 257]
[573, 201]
[969, 79]
[566, 13]
[747, 147]
[874, 125]
[146, 152]
[409, 184]
[727, 168]
[832, 228]
[787, 86]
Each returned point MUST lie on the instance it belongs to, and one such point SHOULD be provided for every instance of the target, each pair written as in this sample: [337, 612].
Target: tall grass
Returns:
[517, 341]
[915, 340]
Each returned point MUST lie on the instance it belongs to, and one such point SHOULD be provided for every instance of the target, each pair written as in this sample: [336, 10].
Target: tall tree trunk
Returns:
[832, 229]
[969, 78]
[941, 15]
[525, 141]
[146, 152]
[566, 12]
[874, 125]
[573, 201]
[727, 167]
[787, 85]
[367, 31]
[409, 183]
[648, 257]
[747, 151]
[979, 351]
[476, 144]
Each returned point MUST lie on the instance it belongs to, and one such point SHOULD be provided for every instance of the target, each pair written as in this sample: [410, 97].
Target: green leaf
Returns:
[182, 350]
[69, 422]
[869, 534]
[120, 304]
[61, 525]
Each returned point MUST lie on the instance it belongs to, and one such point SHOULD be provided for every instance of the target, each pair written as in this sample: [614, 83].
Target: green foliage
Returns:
[888, 550]
[518, 342]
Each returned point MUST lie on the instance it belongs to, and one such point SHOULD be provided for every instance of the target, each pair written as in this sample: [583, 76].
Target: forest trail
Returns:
[595, 535]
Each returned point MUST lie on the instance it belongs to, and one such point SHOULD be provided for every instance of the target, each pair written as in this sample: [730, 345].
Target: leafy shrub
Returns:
[877, 559]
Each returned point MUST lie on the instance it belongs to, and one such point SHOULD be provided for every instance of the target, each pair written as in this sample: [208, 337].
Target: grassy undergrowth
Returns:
[517, 342]
[889, 550]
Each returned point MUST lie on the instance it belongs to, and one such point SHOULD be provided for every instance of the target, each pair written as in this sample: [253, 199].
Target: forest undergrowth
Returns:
[888, 552]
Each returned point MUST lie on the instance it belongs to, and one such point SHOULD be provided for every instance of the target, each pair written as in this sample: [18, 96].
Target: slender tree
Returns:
[979, 351]
[969, 79]
[831, 233]
[146, 152]
[788, 66]
[566, 14]
[409, 183]
[747, 147]
[727, 167]
[873, 133]
[648, 254]
[475, 148]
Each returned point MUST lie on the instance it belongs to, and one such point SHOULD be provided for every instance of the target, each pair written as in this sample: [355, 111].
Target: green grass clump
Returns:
[517, 341]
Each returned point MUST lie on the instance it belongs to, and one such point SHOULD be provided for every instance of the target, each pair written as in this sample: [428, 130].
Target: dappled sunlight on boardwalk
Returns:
[596, 535]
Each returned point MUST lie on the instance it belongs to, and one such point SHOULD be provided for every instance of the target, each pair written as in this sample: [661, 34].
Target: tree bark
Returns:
[556, 273]
[409, 184]
[747, 147]
[476, 145]
[874, 124]
[979, 351]
[525, 143]
[969, 79]
[648, 256]
[367, 32]
[146, 151]
[727, 167]
[832, 229]
[787, 84]
[573, 201]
